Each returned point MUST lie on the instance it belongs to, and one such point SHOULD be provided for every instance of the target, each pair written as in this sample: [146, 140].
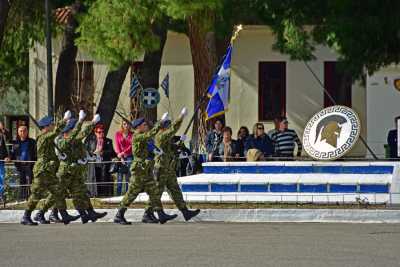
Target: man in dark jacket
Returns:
[392, 140]
[102, 149]
[214, 139]
[260, 140]
[24, 149]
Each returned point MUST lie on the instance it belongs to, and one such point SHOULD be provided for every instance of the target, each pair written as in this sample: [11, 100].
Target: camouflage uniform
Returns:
[165, 164]
[142, 179]
[45, 169]
[70, 172]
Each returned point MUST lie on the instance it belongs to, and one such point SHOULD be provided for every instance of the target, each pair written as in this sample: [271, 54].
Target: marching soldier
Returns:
[165, 169]
[45, 170]
[141, 169]
[72, 170]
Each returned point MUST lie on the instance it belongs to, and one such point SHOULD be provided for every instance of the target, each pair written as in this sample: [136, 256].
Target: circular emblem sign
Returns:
[331, 133]
[150, 97]
[396, 84]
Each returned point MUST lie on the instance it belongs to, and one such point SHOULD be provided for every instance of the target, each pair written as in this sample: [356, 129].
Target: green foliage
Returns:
[14, 102]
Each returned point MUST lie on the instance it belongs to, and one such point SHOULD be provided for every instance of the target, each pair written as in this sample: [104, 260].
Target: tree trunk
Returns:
[204, 58]
[110, 94]
[149, 72]
[66, 63]
[4, 8]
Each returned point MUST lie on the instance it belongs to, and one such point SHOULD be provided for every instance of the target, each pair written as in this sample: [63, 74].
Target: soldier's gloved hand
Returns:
[96, 119]
[62, 156]
[158, 151]
[82, 115]
[67, 115]
[183, 138]
[184, 112]
[82, 161]
[165, 117]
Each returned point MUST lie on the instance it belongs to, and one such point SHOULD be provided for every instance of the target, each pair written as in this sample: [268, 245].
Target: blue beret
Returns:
[45, 121]
[136, 123]
[70, 125]
[165, 124]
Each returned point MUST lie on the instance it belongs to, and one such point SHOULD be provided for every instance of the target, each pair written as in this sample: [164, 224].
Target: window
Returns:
[271, 90]
[337, 84]
[83, 87]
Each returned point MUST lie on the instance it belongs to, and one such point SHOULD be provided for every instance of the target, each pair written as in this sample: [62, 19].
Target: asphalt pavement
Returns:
[201, 244]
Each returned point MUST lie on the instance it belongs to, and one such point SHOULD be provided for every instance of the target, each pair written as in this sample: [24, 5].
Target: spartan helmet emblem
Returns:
[329, 128]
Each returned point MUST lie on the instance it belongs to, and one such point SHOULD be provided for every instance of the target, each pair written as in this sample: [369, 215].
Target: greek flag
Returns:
[218, 91]
[165, 85]
[135, 85]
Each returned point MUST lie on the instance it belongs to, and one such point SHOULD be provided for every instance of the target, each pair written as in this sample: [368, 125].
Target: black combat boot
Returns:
[53, 217]
[39, 217]
[189, 214]
[148, 216]
[119, 217]
[84, 216]
[26, 219]
[163, 217]
[66, 218]
[94, 216]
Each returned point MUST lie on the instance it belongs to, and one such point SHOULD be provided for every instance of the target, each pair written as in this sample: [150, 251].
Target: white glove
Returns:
[62, 156]
[184, 112]
[183, 138]
[158, 151]
[96, 118]
[82, 115]
[82, 161]
[67, 115]
[165, 116]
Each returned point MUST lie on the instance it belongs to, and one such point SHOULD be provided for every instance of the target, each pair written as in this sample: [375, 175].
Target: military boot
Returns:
[66, 218]
[39, 217]
[53, 217]
[189, 214]
[163, 217]
[120, 218]
[148, 216]
[26, 219]
[84, 216]
[94, 216]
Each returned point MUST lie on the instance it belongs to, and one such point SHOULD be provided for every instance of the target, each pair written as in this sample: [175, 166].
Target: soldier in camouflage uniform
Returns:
[142, 167]
[44, 171]
[72, 170]
[165, 169]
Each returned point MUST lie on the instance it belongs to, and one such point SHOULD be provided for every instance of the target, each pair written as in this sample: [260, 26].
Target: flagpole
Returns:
[205, 96]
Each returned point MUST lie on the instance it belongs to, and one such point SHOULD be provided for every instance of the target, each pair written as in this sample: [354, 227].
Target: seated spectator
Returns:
[4, 156]
[392, 140]
[24, 149]
[242, 136]
[101, 147]
[123, 148]
[228, 149]
[213, 139]
[254, 155]
[259, 140]
[285, 140]
[276, 127]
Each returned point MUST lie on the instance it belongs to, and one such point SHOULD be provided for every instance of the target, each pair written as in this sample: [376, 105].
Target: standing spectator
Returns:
[4, 156]
[24, 149]
[259, 140]
[102, 148]
[228, 149]
[276, 127]
[285, 140]
[5, 132]
[213, 139]
[123, 148]
[392, 140]
[242, 136]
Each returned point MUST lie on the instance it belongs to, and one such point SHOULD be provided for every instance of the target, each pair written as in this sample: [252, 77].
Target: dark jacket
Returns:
[16, 151]
[108, 149]
[241, 144]
[392, 142]
[213, 139]
[3, 147]
[262, 143]
[234, 147]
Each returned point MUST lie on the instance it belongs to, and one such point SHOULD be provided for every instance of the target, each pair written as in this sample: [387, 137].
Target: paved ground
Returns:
[201, 244]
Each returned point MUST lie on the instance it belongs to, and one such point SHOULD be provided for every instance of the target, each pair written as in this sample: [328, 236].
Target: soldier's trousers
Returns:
[167, 180]
[45, 182]
[72, 182]
[142, 180]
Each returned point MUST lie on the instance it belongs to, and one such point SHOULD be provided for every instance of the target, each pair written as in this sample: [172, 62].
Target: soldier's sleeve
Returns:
[60, 124]
[85, 131]
[75, 132]
[172, 130]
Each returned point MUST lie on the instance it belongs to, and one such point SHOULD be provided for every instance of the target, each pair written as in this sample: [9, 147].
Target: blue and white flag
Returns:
[165, 85]
[135, 85]
[218, 92]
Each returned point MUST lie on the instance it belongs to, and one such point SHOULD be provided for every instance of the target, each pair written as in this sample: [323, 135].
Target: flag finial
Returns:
[236, 33]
